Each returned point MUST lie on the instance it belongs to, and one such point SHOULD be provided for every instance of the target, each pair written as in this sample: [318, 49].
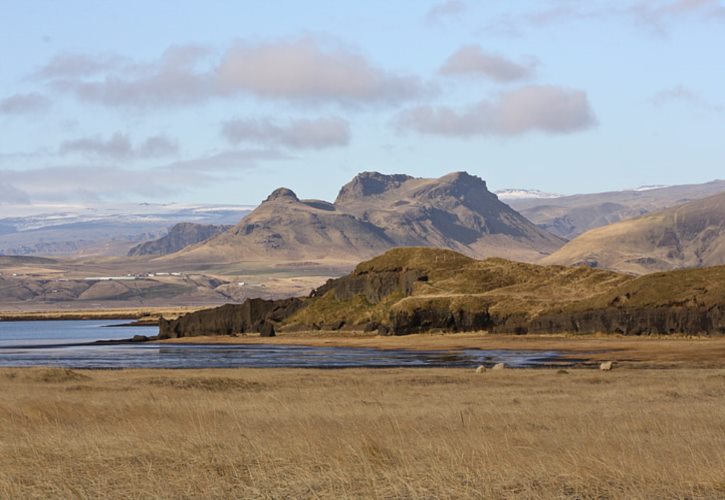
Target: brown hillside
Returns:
[691, 235]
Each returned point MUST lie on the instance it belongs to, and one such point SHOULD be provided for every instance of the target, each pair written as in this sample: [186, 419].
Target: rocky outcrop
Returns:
[180, 236]
[419, 290]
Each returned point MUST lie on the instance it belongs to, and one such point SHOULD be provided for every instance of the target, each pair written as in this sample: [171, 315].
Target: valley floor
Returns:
[413, 433]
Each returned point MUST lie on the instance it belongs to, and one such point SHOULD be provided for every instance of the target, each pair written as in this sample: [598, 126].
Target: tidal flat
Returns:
[362, 433]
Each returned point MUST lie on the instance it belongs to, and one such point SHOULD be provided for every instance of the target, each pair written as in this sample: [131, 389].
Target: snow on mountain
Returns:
[650, 187]
[520, 194]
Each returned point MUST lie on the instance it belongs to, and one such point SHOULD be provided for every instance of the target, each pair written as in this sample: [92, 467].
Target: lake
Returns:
[68, 343]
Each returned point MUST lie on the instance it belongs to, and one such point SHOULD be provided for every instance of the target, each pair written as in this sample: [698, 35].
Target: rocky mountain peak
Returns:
[460, 185]
[283, 194]
[370, 184]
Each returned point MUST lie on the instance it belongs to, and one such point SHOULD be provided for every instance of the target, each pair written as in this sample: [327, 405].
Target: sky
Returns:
[224, 101]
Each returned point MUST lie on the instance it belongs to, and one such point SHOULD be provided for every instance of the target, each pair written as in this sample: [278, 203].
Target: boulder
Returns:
[499, 366]
[481, 369]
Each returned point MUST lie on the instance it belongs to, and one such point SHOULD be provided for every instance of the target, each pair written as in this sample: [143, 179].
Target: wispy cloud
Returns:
[656, 16]
[543, 108]
[72, 64]
[657, 13]
[686, 95]
[472, 60]
[119, 147]
[97, 182]
[226, 161]
[10, 195]
[444, 10]
[18, 104]
[315, 133]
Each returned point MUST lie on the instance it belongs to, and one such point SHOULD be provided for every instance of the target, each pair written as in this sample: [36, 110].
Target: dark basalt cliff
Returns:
[253, 316]
[417, 290]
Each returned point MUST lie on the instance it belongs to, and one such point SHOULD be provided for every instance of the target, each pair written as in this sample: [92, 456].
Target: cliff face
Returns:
[418, 289]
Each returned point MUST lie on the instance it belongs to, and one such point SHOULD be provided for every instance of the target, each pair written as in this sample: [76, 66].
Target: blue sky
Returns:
[223, 101]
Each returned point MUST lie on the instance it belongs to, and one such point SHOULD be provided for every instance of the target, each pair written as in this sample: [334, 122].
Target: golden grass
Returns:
[423, 433]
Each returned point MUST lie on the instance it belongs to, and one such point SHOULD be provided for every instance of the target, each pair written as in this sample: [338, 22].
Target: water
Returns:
[67, 344]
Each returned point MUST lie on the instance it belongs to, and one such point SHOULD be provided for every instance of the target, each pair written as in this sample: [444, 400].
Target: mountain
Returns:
[105, 230]
[375, 212]
[409, 290]
[180, 236]
[690, 235]
[570, 216]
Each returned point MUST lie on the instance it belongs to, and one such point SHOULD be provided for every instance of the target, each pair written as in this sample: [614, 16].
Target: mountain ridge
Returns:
[570, 216]
[375, 212]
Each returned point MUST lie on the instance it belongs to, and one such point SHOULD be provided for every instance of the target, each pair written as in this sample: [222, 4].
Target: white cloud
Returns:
[174, 79]
[472, 60]
[316, 133]
[543, 108]
[24, 103]
[307, 70]
[299, 70]
[119, 147]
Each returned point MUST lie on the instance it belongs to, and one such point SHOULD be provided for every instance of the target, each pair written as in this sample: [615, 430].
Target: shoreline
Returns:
[148, 315]
[633, 352]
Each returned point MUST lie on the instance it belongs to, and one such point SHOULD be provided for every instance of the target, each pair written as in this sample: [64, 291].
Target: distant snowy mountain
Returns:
[100, 230]
[522, 194]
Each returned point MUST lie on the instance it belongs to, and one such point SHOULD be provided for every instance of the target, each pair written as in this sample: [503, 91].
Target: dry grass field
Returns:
[415, 433]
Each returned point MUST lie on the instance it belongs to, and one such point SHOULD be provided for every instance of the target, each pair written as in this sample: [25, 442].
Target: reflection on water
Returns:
[40, 339]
